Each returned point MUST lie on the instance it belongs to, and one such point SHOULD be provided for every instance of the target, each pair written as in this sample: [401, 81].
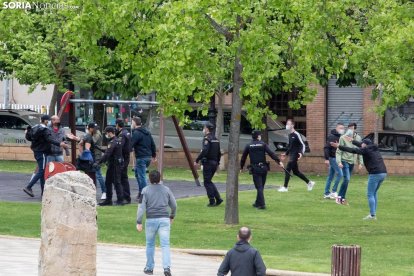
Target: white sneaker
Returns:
[369, 217]
[339, 200]
[103, 197]
[310, 185]
[282, 189]
[327, 196]
[334, 195]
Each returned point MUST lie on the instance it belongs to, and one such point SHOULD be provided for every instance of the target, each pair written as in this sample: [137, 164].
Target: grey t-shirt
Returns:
[157, 199]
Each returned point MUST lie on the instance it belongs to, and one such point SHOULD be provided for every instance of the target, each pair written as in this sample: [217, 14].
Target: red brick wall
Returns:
[316, 121]
[370, 116]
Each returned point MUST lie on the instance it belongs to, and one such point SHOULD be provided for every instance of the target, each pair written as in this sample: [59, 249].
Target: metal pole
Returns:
[6, 93]
[161, 146]
[186, 150]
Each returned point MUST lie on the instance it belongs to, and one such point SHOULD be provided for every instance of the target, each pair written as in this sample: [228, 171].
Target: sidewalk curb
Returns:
[196, 252]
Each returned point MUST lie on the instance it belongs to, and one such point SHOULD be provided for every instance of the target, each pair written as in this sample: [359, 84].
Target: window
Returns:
[405, 143]
[401, 118]
[245, 126]
[12, 122]
[197, 121]
[386, 142]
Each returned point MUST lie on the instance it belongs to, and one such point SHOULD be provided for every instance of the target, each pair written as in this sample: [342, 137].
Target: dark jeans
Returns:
[209, 168]
[292, 165]
[259, 182]
[124, 180]
[113, 178]
[347, 172]
[141, 166]
[40, 175]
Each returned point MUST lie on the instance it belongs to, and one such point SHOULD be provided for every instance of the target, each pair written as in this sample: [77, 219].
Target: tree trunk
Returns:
[53, 100]
[265, 133]
[219, 123]
[232, 187]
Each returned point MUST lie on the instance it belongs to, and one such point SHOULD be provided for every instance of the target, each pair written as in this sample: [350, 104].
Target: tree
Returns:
[177, 48]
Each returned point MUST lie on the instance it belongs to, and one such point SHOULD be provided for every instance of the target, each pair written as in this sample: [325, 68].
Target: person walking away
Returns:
[145, 151]
[210, 158]
[295, 152]
[97, 141]
[125, 137]
[113, 157]
[41, 138]
[243, 259]
[330, 161]
[346, 161]
[160, 207]
[258, 168]
[58, 134]
[375, 166]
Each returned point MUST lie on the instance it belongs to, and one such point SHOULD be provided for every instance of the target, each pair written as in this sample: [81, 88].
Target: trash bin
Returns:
[346, 260]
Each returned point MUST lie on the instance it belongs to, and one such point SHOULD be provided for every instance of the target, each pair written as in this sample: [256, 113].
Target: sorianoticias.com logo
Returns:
[14, 5]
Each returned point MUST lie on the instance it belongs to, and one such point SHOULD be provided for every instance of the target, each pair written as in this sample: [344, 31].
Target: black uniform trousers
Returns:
[259, 180]
[292, 165]
[209, 169]
[124, 179]
[113, 179]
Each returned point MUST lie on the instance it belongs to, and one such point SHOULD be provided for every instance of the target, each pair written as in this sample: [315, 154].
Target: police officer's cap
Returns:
[209, 126]
[92, 125]
[110, 129]
[45, 118]
[256, 134]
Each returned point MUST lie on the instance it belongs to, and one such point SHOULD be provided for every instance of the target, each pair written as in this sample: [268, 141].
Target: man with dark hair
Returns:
[159, 205]
[145, 151]
[243, 260]
[258, 167]
[374, 163]
[42, 140]
[113, 156]
[295, 151]
[125, 137]
[210, 159]
[330, 160]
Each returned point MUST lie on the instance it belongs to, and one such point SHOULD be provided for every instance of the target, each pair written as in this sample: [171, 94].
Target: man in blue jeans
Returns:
[376, 170]
[41, 138]
[330, 160]
[144, 148]
[159, 205]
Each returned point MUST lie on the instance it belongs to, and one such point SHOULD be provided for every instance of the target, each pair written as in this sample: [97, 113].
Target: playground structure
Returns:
[67, 105]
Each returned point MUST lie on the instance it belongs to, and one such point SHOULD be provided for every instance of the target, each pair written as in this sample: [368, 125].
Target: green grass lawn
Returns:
[296, 232]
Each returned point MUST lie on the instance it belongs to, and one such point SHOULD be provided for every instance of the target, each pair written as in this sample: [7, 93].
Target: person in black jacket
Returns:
[374, 163]
[330, 160]
[257, 150]
[295, 151]
[41, 138]
[114, 159]
[145, 151]
[125, 138]
[210, 158]
[243, 260]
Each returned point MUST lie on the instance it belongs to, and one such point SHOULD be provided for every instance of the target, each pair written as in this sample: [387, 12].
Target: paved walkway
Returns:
[19, 256]
[11, 185]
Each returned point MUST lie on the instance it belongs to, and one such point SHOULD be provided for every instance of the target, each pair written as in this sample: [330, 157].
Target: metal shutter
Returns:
[345, 104]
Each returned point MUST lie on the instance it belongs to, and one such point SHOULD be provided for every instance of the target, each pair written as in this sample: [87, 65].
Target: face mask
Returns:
[204, 131]
[341, 131]
[107, 136]
[288, 127]
[349, 133]
[49, 124]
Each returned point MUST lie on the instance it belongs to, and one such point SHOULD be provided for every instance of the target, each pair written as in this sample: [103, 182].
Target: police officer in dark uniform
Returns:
[258, 167]
[210, 158]
[125, 137]
[114, 159]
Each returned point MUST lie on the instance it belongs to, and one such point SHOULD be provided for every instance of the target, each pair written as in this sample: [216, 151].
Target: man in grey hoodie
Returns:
[159, 204]
[58, 134]
[243, 260]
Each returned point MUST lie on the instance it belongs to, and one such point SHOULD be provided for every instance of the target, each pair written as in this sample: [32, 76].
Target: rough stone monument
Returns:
[69, 229]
